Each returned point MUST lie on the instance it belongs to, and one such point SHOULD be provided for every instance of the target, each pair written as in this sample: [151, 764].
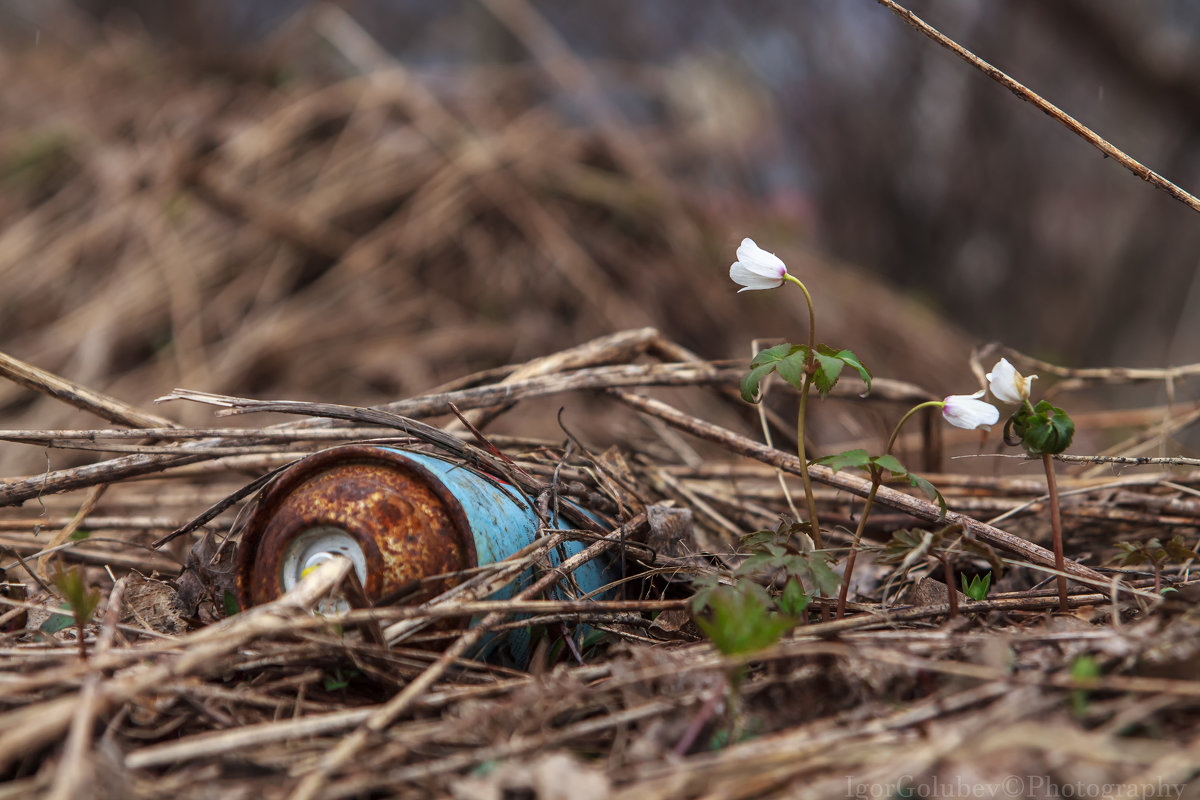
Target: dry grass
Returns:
[280, 703]
[376, 238]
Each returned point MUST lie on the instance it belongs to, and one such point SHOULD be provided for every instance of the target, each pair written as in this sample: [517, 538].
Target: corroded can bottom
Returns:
[401, 517]
[384, 511]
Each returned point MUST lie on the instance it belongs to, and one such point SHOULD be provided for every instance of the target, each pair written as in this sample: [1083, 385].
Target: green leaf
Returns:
[1152, 551]
[767, 362]
[977, 589]
[338, 680]
[1134, 554]
[757, 541]
[752, 380]
[890, 463]
[829, 368]
[332, 684]
[755, 563]
[847, 357]
[705, 585]
[79, 535]
[1084, 669]
[792, 368]
[906, 547]
[826, 581]
[774, 354]
[594, 638]
[793, 600]
[849, 458]
[57, 622]
[231, 604]
[1048, 430]
[739, 621]
[72, 586]
[827, 373]
[930, 491]
[771, 552]
[1177, 550]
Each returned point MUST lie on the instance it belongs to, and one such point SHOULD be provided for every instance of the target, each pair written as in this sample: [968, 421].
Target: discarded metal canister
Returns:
[398, 515]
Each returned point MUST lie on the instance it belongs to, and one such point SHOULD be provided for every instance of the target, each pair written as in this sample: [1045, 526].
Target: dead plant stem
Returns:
[951, 589]
[1056, 525]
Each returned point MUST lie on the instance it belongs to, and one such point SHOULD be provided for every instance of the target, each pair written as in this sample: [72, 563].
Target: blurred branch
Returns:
[1028, 95]
[1139, 59]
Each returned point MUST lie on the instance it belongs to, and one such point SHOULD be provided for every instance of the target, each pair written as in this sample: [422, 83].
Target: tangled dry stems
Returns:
[489, 202]
[277, 693]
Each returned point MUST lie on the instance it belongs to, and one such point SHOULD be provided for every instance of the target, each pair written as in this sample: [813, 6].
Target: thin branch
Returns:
[1029, 96]
[103, 406]
[1132, 461]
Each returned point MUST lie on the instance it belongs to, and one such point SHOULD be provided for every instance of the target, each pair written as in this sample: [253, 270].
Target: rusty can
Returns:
[398, 515]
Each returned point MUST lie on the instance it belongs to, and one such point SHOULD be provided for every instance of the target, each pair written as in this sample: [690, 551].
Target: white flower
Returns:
[968, 411]
[1008, 385]
[756, 268]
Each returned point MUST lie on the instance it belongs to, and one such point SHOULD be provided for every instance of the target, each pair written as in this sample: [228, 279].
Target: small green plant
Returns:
[772, 557]
[338, 679]
[801, 365]
[806, 365]
[80, 599]
[1044, 431]
[1155, 553]
[910, 548]
[1084, 669]
[963, 411]
[977, 589]
[739, 619]
[744, 617]
[784, 553]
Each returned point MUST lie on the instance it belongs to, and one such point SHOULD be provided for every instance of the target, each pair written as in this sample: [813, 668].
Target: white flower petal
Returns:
[1008, 385]
[968, 411]
[756, 268]
[760, 260]
[744, 276]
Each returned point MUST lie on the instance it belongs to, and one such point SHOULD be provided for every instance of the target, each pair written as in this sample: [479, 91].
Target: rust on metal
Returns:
[407, 524]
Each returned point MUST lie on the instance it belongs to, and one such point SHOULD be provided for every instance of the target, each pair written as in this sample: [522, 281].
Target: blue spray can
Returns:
[399, 516]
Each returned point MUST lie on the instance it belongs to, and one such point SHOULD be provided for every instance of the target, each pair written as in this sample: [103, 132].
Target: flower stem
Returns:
[736, 676]
[1056, 526]
[812, 319]
[896, 431]
[814, 524]
[876, 478]
[83, 656]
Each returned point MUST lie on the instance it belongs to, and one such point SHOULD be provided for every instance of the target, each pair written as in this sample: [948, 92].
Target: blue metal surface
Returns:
[503, 522]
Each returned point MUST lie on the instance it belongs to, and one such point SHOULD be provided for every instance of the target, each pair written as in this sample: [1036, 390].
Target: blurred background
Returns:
[359, 201]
